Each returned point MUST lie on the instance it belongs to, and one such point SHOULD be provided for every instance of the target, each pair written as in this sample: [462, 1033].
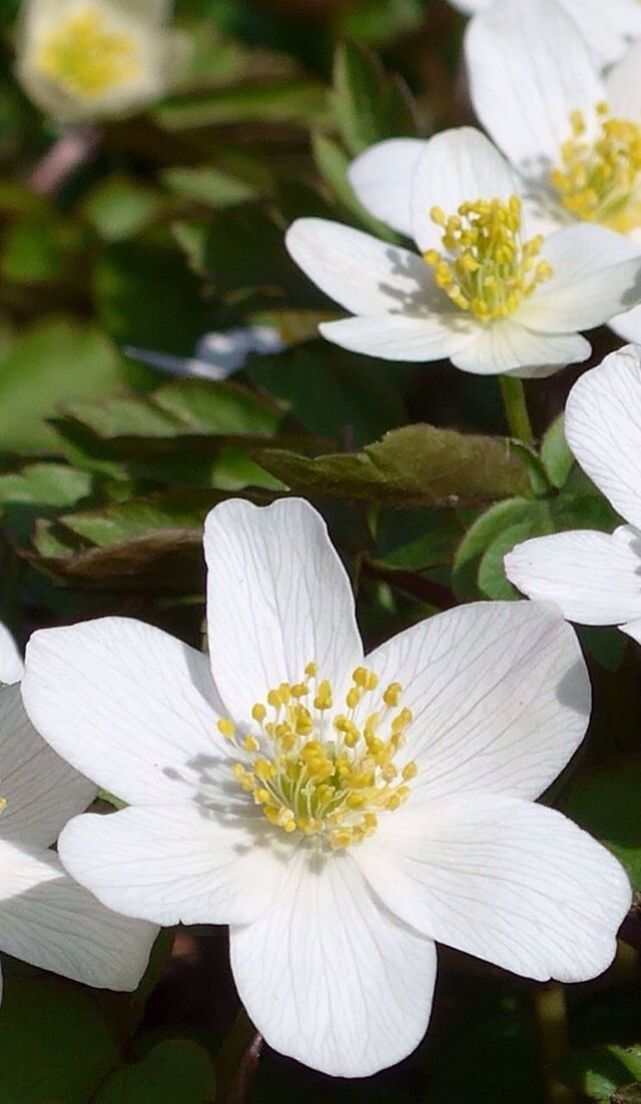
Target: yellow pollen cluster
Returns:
[599, 179]
[85, 57]
[485, 267]
[317, 770]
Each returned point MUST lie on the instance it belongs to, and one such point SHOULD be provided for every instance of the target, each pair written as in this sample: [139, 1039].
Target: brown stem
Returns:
[246, 1071]
[74, 148]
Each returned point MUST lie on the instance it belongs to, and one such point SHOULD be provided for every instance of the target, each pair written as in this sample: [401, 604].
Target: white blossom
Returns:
[596, 577]
[341, 814]
[47, 919]
[217, 354]
[573, 134]
[488, 287]
[608, 27]
[85, 60]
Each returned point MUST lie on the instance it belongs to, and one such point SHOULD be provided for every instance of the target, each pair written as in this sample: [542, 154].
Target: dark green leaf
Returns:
[555, 454]
[177, 1070]
[606, 803]
[369, 104]
[599, 1071]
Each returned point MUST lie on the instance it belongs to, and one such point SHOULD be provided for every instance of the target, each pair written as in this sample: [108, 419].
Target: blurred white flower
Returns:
[488, 289]
[46, 918]
[596, 577]
[85, 60]
[218, 355]
[340, 814]
[608, 27]
[573, 135]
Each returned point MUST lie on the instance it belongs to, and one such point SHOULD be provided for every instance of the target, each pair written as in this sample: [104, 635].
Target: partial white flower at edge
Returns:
[596, 577]
[510, 302]
[573, 134]
[339, 813]
[47, 919]
[217, 355]
[608, 27]
[84, 60]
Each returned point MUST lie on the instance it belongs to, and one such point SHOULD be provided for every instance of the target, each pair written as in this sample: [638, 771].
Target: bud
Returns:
[84, 60]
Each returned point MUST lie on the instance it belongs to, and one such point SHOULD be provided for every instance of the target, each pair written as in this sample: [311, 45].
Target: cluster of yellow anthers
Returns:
[320, 772]
[85, 57]
[485, 268]
[599, 178]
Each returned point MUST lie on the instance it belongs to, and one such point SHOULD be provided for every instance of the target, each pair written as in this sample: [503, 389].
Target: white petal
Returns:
[507, 346]
[511, 882]
[628, 325]
[622, 82]
[470, 6]
[609, 29]
[40, 789]
[329, 977]
[382, 180]
[603, 429]
[48, 920]
[11, 665]
[632, 629]
[278, 598]
[363, 274]
[182, 864]
[456, 166]
[499, 694]
[398, 337]
[128, 705]
[596, 274]
[595, 578]
[529, 67]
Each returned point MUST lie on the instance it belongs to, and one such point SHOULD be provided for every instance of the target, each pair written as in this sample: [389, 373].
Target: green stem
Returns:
[515, 407]
[551, 1014]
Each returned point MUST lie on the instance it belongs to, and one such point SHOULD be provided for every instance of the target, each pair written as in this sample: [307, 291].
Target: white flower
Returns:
[83, 60]
[46, 918]
[574, 135]
[340, 814]
[218, 355]
[596, 577]
[487, 289]
[609, 27]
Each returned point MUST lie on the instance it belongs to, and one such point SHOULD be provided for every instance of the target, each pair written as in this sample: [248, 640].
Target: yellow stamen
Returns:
[85, 57]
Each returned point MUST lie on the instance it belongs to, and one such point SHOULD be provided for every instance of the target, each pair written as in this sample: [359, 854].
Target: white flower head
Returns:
[608, 27]
[573, 134]
[47, 919]
[218, 355]
[85, 60]
[596, 577]
[487, 289]
[340, 813]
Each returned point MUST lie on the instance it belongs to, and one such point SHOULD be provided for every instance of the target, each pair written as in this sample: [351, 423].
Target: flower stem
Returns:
[71, 150]
[551, 1013]
[516, 412]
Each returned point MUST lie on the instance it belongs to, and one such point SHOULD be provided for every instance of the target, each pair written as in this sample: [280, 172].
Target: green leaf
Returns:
[209, 185]
[598, 1072]
[51, 363]
[481, 534]
[56, 1045]
[332, 163]
[119, 207]
[369, 104]
[606, 803]
[418, 465]
[414, 540]
[557, 459]
[39, 489]
[177, 1070]
[303, 102]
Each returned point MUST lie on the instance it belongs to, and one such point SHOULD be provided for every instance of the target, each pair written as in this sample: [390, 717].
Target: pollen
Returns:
[598, 178]
[322, 771]
[85, 57]
[485, 267]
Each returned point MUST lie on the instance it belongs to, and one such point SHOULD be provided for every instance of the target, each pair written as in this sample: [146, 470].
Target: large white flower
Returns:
[574, 135]
[82, 60]
[486, 289]
[596, 577]
[609, 27]
[340, 814]
[46, 918]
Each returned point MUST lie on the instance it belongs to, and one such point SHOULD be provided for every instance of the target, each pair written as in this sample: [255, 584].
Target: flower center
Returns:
[599, 179]
[87, 59]
[486, 268]
[320, 772]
